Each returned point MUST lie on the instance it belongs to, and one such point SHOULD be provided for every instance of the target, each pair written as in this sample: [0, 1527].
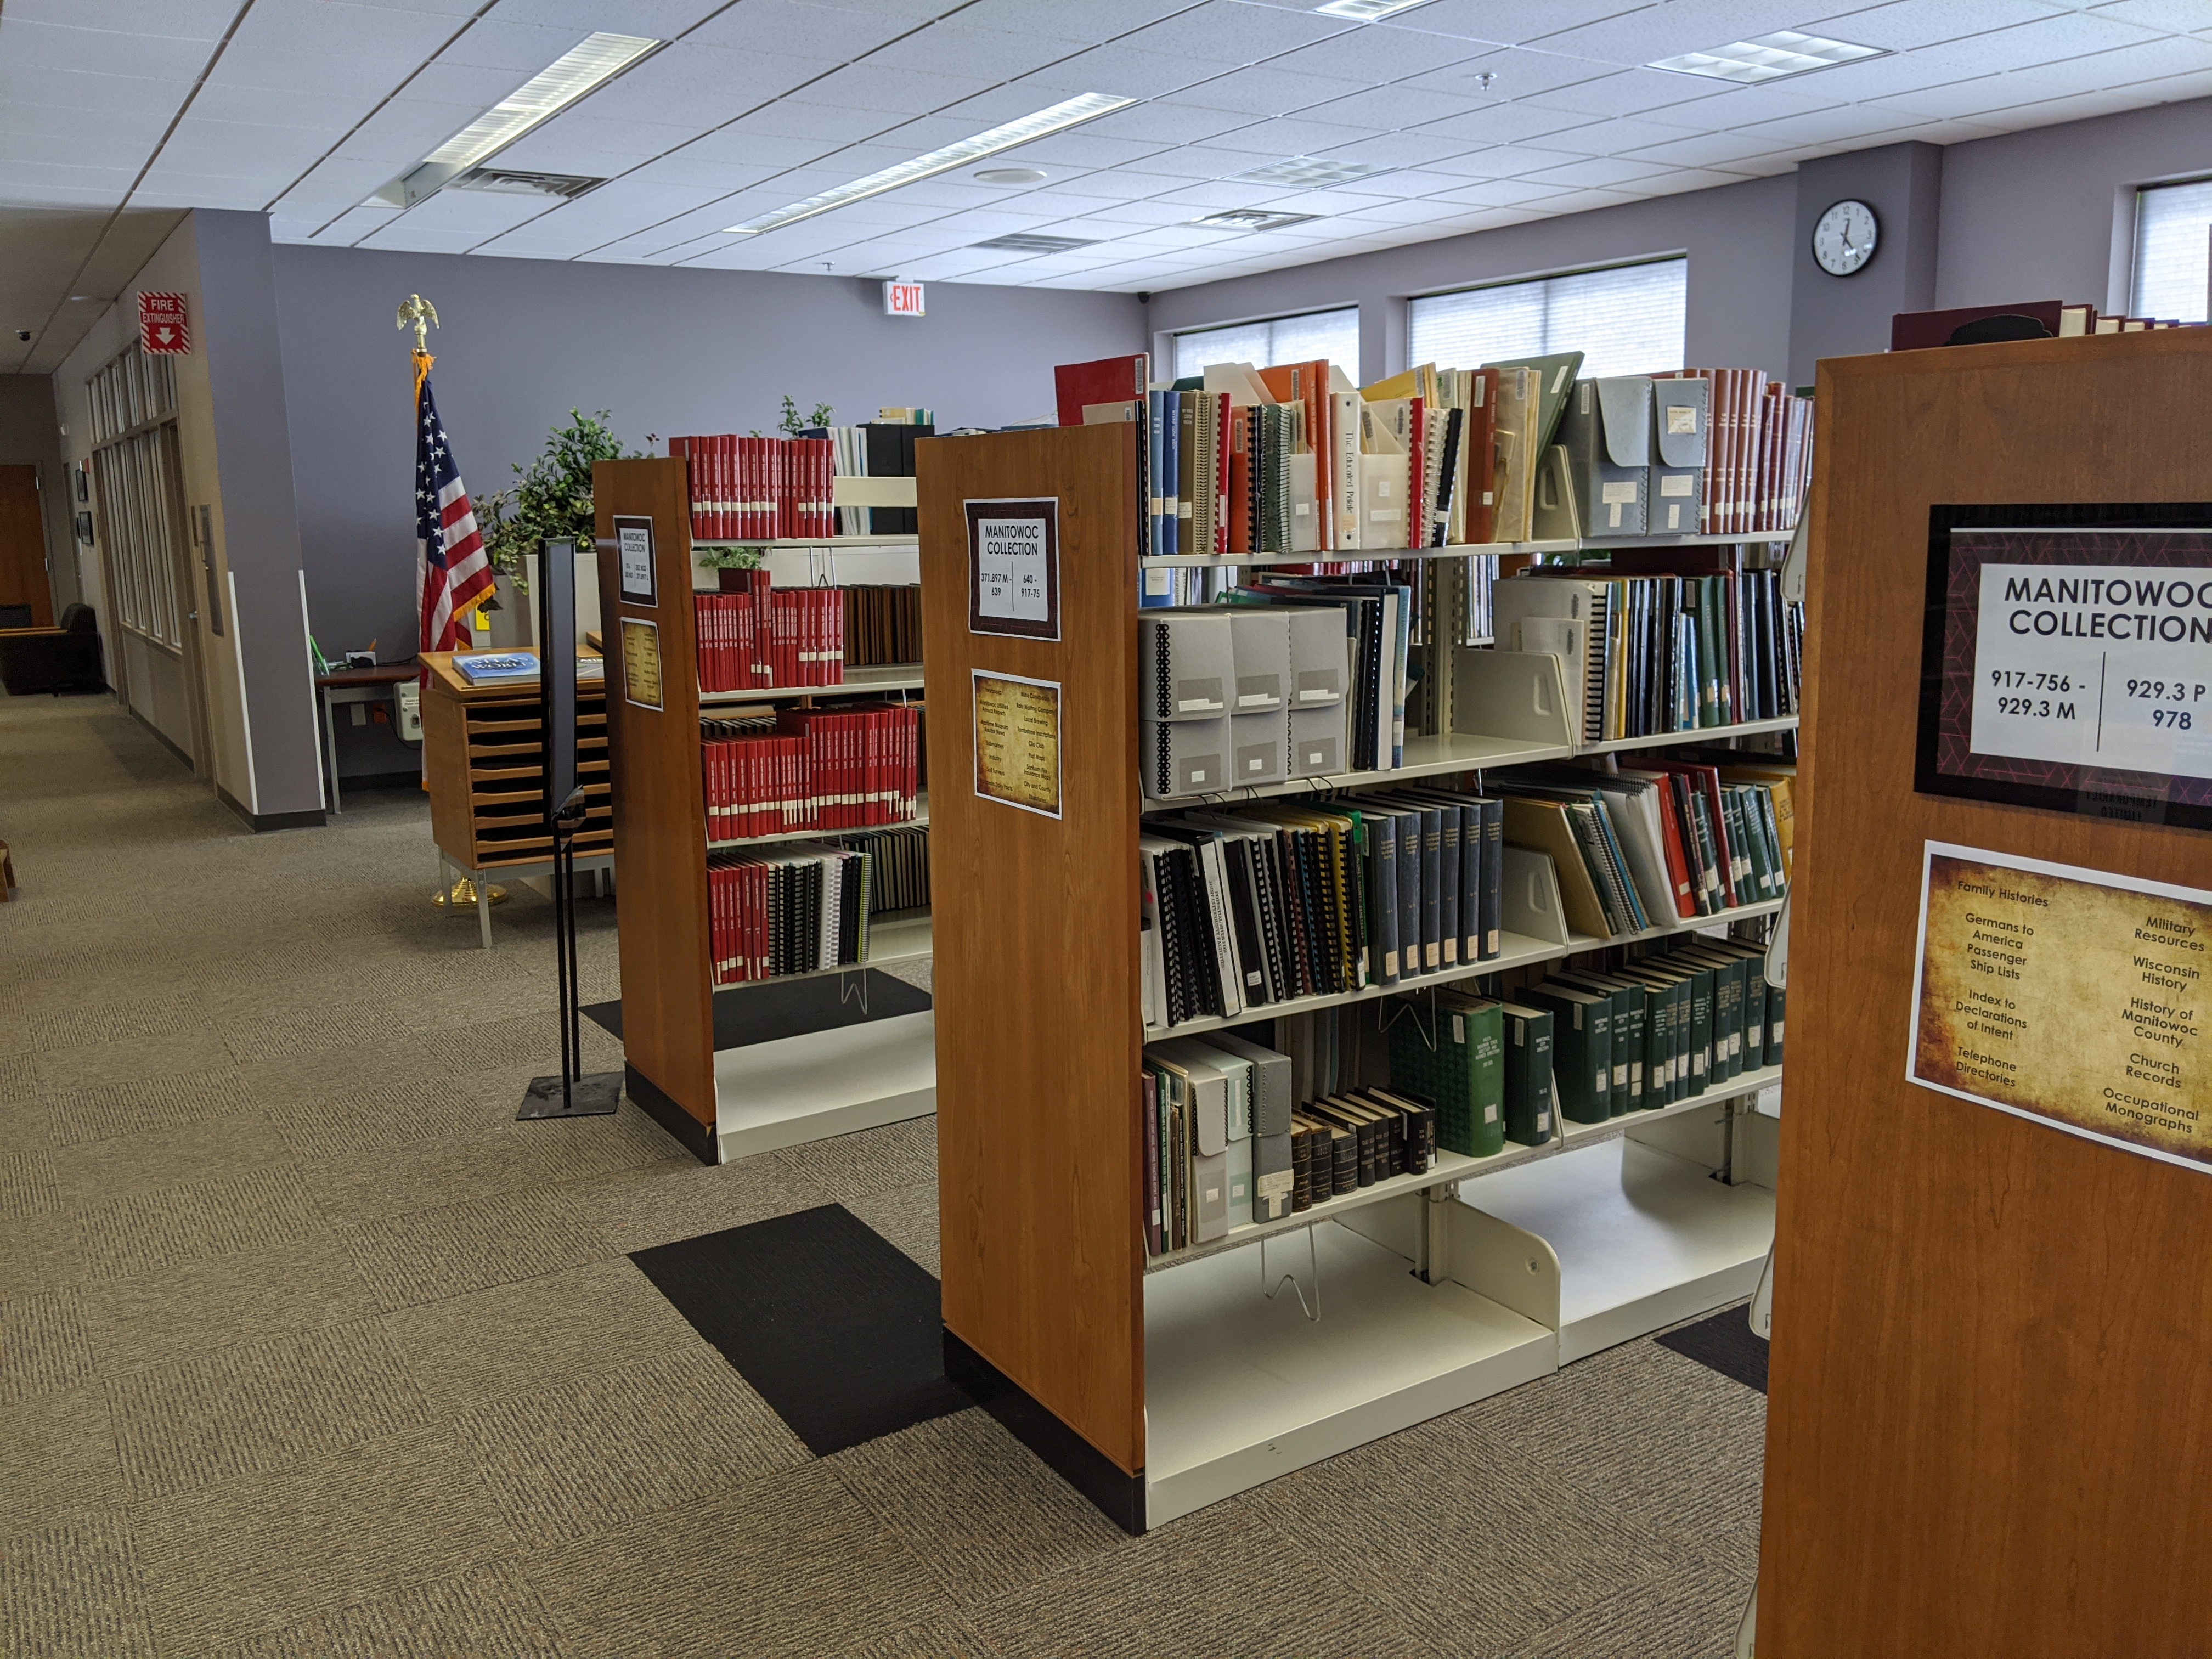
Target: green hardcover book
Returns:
[1729, 975]
[1667, 1067]
[1766, 872]
[1632, 1021]
[1527, 1073]
[1461, 1070]
[1582, 1049]
[1774, 1001]
[1755, 991]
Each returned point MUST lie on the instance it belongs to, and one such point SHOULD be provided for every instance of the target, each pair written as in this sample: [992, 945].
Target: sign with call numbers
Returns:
[2066, 659]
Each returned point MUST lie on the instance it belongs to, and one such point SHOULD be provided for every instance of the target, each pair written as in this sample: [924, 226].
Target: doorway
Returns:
[24, 585]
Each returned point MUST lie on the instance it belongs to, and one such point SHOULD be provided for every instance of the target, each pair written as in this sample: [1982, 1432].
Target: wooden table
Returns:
[354, 685]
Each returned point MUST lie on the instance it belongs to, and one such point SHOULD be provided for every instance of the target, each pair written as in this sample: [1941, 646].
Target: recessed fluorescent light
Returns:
[1365, 11]
[1767, 57]
[552, 90]
[1304, 172]
[1085, 107]
[507, 182]
[1022, 242]
[1253, 219]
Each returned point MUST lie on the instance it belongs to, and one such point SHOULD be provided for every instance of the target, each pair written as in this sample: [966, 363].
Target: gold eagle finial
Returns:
[425, 315]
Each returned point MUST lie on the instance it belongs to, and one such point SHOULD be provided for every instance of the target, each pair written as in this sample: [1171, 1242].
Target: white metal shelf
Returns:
[1460, 550]
[1519, 951]
[1451, 1167]
[833, 1082]
[1696, 734]
[920, 820]
[886, 677]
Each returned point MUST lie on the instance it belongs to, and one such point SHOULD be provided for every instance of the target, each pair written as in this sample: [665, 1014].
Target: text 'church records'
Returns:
[2071, 997]
[2066, 660]
[1013, 567]
[1018, 742]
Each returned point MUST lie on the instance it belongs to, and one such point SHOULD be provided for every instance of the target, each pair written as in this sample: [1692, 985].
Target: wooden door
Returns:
[23, 545]
[1992, 1365]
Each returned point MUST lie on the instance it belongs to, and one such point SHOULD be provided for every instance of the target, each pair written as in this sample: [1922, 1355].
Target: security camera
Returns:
[1144, 297]
[23, 334]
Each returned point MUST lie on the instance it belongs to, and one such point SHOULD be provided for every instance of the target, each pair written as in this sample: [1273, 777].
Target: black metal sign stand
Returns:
[571, 1094]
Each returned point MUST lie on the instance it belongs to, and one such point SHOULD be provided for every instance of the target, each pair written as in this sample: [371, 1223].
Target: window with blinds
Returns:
[1626, 319]
[133, 406]
[2173, 251]
[1331, 334]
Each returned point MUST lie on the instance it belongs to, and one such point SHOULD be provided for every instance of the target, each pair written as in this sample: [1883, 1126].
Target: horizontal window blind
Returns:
[1331, 334]
[2173, 251]
[1625, 320]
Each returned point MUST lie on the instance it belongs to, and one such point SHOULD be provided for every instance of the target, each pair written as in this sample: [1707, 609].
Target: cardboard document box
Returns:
[1183, 757]
[1259, 747]
[1317, 745]
[1675, 496]
[1260, 638]
[1606, 433]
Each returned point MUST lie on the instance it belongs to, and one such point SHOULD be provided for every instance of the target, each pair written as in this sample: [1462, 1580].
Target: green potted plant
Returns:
[551, 498]
[729, 563]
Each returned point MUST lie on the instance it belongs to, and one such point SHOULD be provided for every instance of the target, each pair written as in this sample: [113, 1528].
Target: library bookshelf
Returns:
[750, 1067]
[1157, 1386]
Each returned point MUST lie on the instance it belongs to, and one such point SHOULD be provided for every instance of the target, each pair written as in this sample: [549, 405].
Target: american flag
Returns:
[451, 569]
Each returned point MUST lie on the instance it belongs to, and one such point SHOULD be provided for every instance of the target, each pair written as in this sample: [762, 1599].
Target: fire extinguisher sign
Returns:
[162, 326]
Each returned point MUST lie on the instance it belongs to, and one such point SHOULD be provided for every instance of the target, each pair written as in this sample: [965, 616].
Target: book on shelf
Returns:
[767, 638]
[2032, 319]
[848, 767]
[899, 877]
[792, 909]
[882, 624]
[1225, 1146]
[755, 489]
[1702, 640]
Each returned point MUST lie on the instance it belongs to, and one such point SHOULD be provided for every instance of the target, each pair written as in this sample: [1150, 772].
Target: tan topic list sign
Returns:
[2072, 997]
[1018, 742]
[641, 655]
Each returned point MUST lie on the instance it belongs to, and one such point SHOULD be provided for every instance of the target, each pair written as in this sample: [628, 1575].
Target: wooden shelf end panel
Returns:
[1992, 1356]
[1036, 922]
[661, 837]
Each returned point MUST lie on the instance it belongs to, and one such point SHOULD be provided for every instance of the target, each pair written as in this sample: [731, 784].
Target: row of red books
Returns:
[1759, 453]
[767, 638]
[758, 490]
[854, 767]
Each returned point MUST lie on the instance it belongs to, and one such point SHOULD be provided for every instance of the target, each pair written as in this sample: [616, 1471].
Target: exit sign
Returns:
[902, 300]
[161, 324]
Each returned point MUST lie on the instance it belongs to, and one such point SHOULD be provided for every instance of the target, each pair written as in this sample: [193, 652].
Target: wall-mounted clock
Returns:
[1845, 238]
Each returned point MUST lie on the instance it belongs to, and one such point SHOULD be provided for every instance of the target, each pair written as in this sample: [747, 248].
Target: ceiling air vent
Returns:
[507, 181]
[1253, 219]
[1304, 172]
[1022, 242]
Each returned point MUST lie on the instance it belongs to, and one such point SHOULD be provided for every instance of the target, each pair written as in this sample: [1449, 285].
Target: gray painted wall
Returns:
[29, 435]
[524, 341]
[1836, 316]
[2050, 214]
[2043, 214]
[253, 448]
[1737, 238]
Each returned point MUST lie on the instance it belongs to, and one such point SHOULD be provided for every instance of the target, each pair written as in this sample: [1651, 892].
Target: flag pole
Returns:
[423, 316]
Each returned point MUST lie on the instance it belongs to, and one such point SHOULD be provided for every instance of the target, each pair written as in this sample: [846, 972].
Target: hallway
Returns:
[307, 1348]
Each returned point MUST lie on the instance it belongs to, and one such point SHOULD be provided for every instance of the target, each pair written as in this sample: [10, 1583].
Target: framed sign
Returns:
[1018, 742]
[634, 548]
[1013, 567]
[641, 661]
[2066, 659]
[2073, 998]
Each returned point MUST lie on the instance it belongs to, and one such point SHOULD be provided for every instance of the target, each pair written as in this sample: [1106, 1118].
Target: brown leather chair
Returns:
[56, 660]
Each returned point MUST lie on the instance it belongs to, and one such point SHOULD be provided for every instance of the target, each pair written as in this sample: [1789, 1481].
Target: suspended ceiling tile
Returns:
[1594, 171]
[1389, 108]
[1166, 123]
[1221, 31]
[188, 20]
[404, 131]
[789, 119]
[1094, 20]
[315, 108]
[659, 20]
[1515, 73]
[1079, 149]
[564, 144]
[2060, 38]
[955, 48]
[1908, 25]
[743, 147]
[784, 25]
[1611, 138]
[1285, 136]
[1121, 71]
[1723, 149]
[1395, 150]
[85, 149]
[1643, 34]
[29, 45]
[1659, 93]
[1508, 22]
[1859, 126]
[870, 85]
[1496, 193]
[1215, 194]
[1267, 90]
[702, 178]
[283, 43]
[478, 214]
[705, 85]
[338, 180]
[2178, 15]
[354, 224]
[1378, 56]
[523, 49]
[1506, 123]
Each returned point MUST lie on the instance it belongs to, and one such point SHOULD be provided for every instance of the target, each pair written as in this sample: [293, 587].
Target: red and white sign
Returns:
[902, 300]
[161, 324]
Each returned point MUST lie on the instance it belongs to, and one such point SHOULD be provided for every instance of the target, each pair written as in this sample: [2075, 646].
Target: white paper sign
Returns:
[1011, 569]
[635, 541]
[2107, 666]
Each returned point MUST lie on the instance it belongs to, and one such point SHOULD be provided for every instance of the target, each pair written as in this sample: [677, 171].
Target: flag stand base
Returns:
[595, 1096]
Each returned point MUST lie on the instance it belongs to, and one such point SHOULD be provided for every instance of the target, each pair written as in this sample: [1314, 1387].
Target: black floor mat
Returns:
[767, 1009]
[839, 1330]
[1725, 1343]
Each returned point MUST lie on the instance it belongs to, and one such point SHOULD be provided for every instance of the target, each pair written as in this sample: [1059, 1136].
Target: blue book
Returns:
[492, 667]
